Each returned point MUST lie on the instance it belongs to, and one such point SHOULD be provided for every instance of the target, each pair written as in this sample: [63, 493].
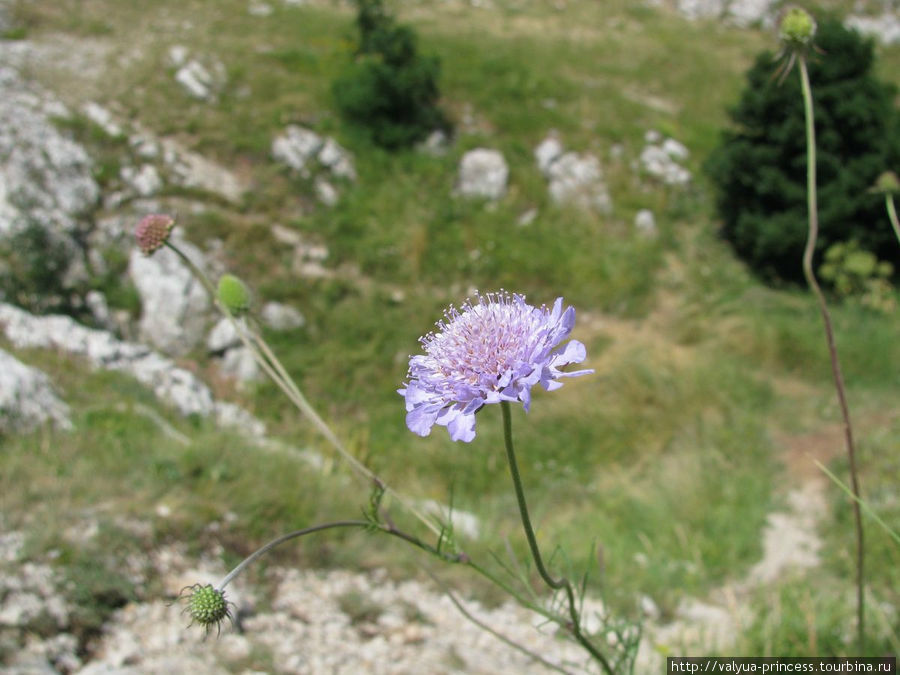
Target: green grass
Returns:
[667, 458]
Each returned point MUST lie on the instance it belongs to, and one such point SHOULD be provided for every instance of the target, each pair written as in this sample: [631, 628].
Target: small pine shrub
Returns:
[33, 266]
[759, 170]
[390, 90]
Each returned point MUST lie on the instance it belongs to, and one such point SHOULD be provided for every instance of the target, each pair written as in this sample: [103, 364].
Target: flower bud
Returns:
[887, 183]
[797, 27]
[233, 294]
[153, 231]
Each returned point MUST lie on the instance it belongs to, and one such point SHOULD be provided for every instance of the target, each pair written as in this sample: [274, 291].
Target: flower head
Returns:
[153, 231]
[207, 606]
[887, 183]
[495, 348]
[797, 28]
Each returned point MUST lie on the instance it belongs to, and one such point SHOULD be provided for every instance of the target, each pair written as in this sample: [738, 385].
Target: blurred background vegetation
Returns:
[712, 387]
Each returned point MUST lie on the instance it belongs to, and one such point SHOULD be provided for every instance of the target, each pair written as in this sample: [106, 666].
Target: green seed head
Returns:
[233, 294]
[797, 27]
[887, 183]
[207, 606]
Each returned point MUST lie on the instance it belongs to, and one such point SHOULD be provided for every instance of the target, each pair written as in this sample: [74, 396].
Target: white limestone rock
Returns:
[337, 160]
[100, 116]
[191, 170]
[742, 13]
[296, 147]
[27, 399]
[746, 13]
[174, 304]
[700, 9]
[257, 8]
[885, 28]
[222, 337]
[278, 316]
[200, 82]
[326, 192]
[482, 173]
[662, 160]
[176, 386]
[231, 416]
[578, 180]
[240, 364]
[547, 152]
[99, 308]
[527, 218]
[677, 151]
[645, 222]
[45, 178]
[178, 55]
[144, 180]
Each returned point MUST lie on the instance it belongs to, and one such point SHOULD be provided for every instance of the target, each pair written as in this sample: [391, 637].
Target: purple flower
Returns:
[496, 348]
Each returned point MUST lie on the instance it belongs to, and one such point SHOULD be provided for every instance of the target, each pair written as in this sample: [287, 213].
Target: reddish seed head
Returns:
[153, 231]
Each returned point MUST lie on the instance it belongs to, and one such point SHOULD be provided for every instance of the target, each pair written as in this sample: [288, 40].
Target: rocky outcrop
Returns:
[278, 316]
[743, 13]
[202, 81]
[885, 28]
[645, 222]
[154, 163]
[174, 305]
[483, 173]
[578, 180]
[176, 386]
[46, 179]
[310, 155]
[662, 159]
[573, 178]
[27, 399]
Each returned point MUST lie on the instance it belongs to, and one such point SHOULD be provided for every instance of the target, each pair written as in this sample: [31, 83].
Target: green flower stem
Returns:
[253, 557]
[276, 371]
[363, 524]
[461, 558]
[829, 335]
[892, 214]
[556, 584]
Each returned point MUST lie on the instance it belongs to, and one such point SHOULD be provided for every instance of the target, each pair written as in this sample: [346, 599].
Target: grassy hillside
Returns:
[712, 393]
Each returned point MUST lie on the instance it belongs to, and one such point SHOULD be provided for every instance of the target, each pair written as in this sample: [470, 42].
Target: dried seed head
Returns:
[153, 231]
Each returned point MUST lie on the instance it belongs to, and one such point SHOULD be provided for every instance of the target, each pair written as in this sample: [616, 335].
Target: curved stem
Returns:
[418, 543]
[523, 506]
[279, 375]
[892, 214]
[557, 584]
[250, 559]
[829, 335]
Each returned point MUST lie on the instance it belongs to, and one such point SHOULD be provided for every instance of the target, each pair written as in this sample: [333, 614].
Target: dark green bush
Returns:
[390, 90]
[33, 265]
[759, 171]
